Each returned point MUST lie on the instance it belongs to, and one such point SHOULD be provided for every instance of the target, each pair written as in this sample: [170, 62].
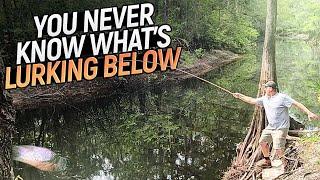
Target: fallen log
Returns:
[302, 132]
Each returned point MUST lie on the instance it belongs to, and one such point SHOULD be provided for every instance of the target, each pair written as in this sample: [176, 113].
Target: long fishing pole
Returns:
[204, 80]
[225, 90]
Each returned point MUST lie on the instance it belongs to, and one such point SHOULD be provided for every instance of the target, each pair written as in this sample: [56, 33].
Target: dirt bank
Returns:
[302, 154]
[74, 92]
[308, 155]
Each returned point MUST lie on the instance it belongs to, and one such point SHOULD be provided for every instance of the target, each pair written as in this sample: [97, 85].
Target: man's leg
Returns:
[280, 153]
[265, 149]
[279, 141]
[264, 142]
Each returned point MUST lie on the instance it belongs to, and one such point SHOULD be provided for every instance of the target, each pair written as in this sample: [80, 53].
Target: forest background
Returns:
[199, 26]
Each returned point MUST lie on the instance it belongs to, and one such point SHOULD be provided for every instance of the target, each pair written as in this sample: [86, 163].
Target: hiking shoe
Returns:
[264, 163]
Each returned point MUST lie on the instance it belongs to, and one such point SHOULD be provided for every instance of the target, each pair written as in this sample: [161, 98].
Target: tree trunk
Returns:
[248, 152]
[7, 113]
[268, 72]
[7, 118]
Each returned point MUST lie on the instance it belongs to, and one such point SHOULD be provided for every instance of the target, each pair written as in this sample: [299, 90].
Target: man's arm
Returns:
[303, 108]
[244, 98]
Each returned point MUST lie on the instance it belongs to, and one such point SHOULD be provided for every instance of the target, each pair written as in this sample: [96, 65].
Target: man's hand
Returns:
[244, 98]
[313, 116]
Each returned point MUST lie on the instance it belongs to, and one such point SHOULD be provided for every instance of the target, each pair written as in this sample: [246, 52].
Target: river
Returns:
[180, 130]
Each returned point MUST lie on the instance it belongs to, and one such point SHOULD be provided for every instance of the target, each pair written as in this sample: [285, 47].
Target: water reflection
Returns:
[173, 131]
[298, 71]
[177, 131]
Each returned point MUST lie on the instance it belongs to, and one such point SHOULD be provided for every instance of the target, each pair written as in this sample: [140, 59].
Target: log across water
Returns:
[73, 92]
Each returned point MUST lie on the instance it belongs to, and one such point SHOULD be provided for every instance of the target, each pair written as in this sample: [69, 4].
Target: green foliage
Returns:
[318, 87]
[310, 138]
[215, 24]
[234, 33]
[242, 76]
[204, 24]
[199, 53]
[299, 17]
[188, 58]
[299, 62]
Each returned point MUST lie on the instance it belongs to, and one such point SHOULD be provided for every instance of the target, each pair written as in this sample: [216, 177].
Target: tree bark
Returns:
[268, 69]
[7, 112]
[268, 72]
[7, 118]
[248, 152]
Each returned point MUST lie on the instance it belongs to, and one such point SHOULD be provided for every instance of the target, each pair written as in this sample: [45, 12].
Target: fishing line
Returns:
[223, 89]
[202, 79]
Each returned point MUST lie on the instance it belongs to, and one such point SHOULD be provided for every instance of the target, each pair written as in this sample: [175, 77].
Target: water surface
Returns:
[180, 130]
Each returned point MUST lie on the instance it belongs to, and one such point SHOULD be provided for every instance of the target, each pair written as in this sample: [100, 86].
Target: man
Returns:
[276, 107]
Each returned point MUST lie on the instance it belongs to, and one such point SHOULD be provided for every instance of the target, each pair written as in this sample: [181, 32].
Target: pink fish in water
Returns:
[39, 157]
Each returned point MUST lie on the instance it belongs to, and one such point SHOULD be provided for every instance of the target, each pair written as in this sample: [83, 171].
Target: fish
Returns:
[41, 158]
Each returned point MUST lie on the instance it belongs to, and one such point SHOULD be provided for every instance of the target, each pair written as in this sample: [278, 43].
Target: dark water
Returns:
[181, 130]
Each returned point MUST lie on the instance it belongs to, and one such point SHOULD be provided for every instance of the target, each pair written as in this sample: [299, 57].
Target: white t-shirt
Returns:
[276, 108]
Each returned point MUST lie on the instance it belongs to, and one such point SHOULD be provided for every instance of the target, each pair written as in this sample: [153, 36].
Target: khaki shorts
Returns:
[277, 136]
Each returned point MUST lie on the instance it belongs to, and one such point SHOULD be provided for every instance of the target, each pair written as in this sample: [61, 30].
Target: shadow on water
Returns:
[179, 130]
